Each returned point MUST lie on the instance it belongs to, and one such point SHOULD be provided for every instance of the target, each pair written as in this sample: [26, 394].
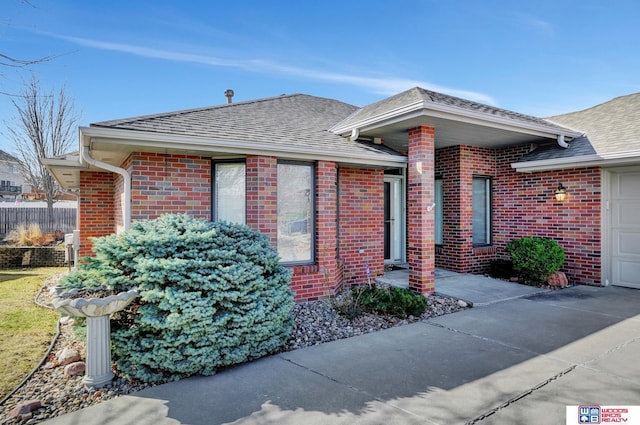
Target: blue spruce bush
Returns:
[211, 295]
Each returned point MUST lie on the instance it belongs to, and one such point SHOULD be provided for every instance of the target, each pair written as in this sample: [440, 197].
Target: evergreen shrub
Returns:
[400, 302]
[211, 295]
[535, 258]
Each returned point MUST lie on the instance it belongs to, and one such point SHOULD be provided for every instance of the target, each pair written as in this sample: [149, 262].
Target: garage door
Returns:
[625, 227]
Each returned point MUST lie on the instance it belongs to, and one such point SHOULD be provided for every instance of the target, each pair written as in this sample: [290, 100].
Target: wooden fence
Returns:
[63, 219]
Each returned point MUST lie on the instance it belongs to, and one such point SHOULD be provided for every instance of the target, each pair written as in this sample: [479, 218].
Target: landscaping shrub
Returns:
[29, 235]
[211, 295]
[535, 258]
[400, 302]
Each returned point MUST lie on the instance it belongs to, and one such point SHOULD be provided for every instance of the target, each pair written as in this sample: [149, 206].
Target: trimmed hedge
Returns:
[535, 258]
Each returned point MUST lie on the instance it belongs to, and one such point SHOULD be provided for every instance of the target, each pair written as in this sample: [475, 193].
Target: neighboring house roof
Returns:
[4, 156]
[611, 136]
[286, 123]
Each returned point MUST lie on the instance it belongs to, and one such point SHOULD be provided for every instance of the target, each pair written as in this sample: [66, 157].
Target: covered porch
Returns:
[475, 290]
[454, 141]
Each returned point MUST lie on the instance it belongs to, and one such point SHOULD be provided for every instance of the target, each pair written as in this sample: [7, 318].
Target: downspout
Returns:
[561, 141]
[355, 133]
[86, 156]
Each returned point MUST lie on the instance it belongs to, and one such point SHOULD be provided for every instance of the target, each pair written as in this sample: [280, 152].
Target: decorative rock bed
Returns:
[51, 392]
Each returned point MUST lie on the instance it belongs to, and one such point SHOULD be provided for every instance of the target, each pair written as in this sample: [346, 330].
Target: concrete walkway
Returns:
[514, 359]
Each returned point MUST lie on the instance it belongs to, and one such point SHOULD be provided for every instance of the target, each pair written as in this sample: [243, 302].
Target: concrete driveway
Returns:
[512, 360]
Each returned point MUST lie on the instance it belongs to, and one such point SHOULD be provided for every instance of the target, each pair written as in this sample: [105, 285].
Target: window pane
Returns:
[295, 218]
[230, 192]
[439, 218]
[481, 211]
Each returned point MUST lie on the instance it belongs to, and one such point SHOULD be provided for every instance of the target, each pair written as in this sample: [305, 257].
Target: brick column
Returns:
[326, 218]
[96, 208]
[262, 195]
[421, 244]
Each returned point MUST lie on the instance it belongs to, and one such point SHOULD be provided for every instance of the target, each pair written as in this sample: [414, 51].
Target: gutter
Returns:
[202, 145]
[453, 113]
[85, 156]
[603, 160]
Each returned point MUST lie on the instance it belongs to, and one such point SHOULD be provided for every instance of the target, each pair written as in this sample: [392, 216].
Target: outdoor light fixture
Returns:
[561, 193]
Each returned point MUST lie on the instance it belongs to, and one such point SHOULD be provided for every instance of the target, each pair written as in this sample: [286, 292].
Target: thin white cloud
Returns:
[539, 25]
[378, 85]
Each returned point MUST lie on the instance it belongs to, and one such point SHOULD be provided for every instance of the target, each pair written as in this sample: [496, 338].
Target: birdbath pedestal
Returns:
[98, 371]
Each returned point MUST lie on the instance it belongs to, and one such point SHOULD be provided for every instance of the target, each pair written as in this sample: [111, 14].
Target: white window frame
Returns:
[240, 198]
[283, 224]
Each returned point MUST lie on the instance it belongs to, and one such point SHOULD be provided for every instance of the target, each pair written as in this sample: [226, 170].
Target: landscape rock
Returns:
[67, 355]
[23, 410]
[558, 279]
[74, 369]
[315, 322]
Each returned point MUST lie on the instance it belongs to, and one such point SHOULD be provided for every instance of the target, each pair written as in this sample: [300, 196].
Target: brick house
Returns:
[420, 178]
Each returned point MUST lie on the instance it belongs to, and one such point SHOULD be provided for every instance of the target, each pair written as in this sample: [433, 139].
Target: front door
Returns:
[393, 220]
[624, 222]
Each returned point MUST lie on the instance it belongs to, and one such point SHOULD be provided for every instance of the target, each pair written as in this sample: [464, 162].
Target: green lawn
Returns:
[26, 330]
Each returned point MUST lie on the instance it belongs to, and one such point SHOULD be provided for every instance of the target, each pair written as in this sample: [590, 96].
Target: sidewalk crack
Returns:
[520, 396]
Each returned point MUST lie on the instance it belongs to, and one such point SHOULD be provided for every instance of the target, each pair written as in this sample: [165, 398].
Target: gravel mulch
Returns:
[316, 322]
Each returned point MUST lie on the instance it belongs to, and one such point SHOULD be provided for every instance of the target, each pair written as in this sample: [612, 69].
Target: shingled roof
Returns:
[288, 121]
[610, 129]
[7, 157]
[426, 98]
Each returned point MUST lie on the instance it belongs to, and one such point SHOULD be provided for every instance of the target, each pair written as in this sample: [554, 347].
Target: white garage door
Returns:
[625, 227]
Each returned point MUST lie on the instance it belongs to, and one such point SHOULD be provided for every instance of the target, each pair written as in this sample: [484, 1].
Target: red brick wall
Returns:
[457, 165]
[96, 208]
[523, 205]
[262, 195]
[323, 278]
[361, 223]
[526, 206]
[421, 215]
[162, 183]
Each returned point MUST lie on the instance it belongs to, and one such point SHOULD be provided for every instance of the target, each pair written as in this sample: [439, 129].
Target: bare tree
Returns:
[43, 128]
[10, 61]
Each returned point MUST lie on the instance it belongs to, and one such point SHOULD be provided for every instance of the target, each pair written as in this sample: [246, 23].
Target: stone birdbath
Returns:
[97, 310]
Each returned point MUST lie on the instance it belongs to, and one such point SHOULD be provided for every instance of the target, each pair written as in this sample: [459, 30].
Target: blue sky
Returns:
[126, 58]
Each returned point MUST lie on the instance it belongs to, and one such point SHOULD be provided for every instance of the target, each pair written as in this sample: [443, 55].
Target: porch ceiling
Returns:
[451, 133]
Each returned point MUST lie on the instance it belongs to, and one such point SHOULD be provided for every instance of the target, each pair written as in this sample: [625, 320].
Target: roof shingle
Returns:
[288, 121]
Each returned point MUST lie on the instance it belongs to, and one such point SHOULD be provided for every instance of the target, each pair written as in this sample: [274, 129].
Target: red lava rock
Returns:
[75, 368]
[24, 409]
[558, 279]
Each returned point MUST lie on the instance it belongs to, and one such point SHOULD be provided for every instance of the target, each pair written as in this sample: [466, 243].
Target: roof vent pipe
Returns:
[561, 141]
[229, 94]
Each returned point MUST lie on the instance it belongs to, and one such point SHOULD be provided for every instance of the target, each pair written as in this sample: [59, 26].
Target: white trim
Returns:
[605, 225]
[614, 159]
[207, 145]
[402, 220]
[454, 113]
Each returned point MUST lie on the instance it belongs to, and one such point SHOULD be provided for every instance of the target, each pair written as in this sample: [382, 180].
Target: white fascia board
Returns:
[208, 145]
[453, 113]
[62, 163]
[610, 160]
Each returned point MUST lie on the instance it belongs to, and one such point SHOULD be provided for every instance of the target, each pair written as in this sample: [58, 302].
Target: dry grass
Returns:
[29, 235]
[26, 330]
